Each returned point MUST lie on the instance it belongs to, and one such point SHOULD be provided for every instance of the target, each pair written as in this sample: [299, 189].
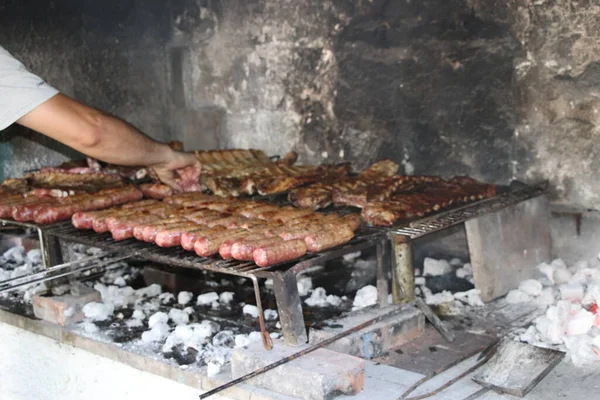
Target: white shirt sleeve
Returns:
[20, 90]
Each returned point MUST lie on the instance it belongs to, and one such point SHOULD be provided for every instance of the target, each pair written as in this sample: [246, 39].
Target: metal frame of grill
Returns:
[396, 239]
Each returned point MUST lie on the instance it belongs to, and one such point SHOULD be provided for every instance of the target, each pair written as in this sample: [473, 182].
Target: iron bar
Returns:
[434, 320]
[57, 271]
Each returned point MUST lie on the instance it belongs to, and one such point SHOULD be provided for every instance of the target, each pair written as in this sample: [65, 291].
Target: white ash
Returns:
[572, 292]
[319, 298]
[149, 291]
[212, 283]
[305, 286]
[251, 310]
[433, 267]
[184, 297]
[517, 296]
[224, 338]
[470, 297]
[120, 281]
[531, 287]
[571, 322]
[438, 298]
[465, 272]
[194, 335]
[189, 310]
[31, 291]
[158, 318]
[456, 262]
[420, 281]
[365, 297]
[69, 312]
[134, 323]
[226, 298]
[207, 299]
[212, 369]
[179, 317]
[275, 335]
[158, 332]
[34, 256]
[89, 327]
[14, 255]
[333, 300]
[139, 315]
[166, 298]
[351, 256]
[98, 311]
[120, 316]
[269, 284]
[271, 315]
[245, 340]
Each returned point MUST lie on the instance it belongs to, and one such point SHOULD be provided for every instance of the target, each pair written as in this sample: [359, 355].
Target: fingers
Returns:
[168, 178]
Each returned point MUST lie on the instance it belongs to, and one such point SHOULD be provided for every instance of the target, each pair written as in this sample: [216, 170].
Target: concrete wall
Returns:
[35, 367]
[496, 89]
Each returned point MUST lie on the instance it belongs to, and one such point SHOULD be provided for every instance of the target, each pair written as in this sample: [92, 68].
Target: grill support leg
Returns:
[289, 305]
[506, 245]
[403, 273]
[382, 272]
[52, 251]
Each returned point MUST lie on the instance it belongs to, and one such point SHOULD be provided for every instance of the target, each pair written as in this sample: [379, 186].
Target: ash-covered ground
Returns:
[191, 329]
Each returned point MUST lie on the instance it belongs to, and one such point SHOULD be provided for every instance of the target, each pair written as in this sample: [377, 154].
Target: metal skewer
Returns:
[58, 271]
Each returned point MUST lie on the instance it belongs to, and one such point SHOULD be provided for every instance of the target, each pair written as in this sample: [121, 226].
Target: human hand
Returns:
[181, 171]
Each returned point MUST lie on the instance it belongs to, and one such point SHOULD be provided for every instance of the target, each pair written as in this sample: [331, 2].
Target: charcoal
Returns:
[448, 282]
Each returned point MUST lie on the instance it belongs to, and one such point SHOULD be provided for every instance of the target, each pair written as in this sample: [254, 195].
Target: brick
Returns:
[174, 282]
[319, 375]
[375, 340]
[53, 308]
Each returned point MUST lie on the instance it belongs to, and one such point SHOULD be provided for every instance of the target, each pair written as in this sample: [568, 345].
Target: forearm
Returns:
[94, 133]
[122, 144]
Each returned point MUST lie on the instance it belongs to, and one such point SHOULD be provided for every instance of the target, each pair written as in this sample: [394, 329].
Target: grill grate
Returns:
[179, 257]
[440, 221]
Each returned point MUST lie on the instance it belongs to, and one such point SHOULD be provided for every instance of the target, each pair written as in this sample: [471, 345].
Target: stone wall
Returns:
[496, 89]
[557, 95]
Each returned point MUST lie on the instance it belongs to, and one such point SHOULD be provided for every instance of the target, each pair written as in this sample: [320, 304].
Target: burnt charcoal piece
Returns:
[182, 356]
[448, 282]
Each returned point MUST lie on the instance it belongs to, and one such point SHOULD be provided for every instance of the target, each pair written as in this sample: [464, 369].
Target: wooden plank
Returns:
[505, 246]
[517, 367]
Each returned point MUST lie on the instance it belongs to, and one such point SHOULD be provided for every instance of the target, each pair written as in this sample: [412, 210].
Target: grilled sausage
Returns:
[265, 256]
[188, 239]
[208, 245]
[225, 250]
[171, 236]
[328, 238]
[243, 250]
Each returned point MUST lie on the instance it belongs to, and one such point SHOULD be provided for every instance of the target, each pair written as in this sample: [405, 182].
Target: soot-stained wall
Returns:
[496, 89]
[108, 54]
[425, 83]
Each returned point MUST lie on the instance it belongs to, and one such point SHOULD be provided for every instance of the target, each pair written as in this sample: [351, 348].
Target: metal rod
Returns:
[435, 321]
[304, 352]
[267, 341]
[50, 273]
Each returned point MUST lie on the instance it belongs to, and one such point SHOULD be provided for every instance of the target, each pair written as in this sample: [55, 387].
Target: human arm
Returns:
[105, 137]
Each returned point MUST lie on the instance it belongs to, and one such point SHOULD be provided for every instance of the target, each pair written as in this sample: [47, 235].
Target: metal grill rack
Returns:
[402, 235]
[443, 220]
[283, 275]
